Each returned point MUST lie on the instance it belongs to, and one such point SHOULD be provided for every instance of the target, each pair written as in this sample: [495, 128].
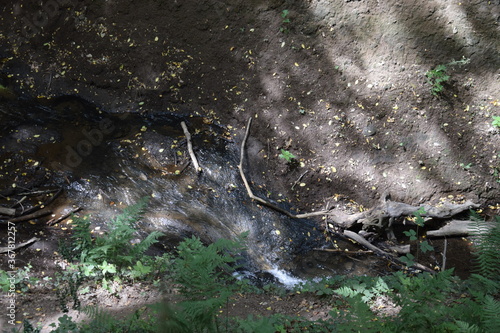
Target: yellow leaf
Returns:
[296, 64]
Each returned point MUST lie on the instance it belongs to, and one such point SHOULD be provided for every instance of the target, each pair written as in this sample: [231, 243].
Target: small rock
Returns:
[369, 130]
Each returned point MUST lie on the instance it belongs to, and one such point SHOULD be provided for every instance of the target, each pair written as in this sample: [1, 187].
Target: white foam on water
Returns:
[285, 278]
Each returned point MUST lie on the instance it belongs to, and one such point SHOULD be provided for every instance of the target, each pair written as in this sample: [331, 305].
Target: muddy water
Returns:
[107, 161]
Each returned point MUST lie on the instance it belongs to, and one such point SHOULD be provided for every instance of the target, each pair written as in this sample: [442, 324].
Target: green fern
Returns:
[491, 311]
[487, 251]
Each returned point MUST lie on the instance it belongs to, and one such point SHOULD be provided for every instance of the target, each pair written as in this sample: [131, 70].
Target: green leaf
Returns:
[285, 154]
[408, 259]
[425, 247]
[411, 233]
[496, 121]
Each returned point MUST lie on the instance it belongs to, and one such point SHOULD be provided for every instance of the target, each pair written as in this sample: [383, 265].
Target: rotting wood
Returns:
[381, 216]
[7, 249]
[190, 147]
[461, 228]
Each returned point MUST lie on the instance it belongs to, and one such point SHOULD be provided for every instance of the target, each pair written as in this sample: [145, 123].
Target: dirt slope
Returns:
[340, 84]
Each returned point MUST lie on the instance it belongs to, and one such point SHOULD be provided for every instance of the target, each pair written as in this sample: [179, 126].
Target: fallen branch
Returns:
[362, 241]
[7, 249]
[258, 199]
[65, 216]
[190, 147]
[7, 211]
[29, 216]
[45, 204]
[461, 228]
[343, 251]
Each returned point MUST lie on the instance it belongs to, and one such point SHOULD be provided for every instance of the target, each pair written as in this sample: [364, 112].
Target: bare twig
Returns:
[18, 246]
[190, 147]
[443, 267]
[343, 251]
[45, 204]
[299, 179]
[258, 199]
[54, 221]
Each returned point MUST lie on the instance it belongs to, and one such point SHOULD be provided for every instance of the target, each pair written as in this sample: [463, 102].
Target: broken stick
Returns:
[18, 246]
[258, 199]
[362, 241]
[190, 147]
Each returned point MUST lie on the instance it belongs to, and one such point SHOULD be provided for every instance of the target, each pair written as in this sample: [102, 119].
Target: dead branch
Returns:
[258, 199]
[6, 249]
[7, 211]
[65, 216]
[344, 251]
[45, 204]
[31, 216]
[190, 147]
[362, 241]
[461, 228]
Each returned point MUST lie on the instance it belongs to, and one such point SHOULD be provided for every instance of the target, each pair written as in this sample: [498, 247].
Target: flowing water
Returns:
[106, 161]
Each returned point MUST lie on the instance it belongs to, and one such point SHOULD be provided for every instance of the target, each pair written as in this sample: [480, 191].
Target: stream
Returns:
[106, 161]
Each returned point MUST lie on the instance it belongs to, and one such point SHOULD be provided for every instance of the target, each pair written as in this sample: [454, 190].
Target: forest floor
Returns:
[341, 85]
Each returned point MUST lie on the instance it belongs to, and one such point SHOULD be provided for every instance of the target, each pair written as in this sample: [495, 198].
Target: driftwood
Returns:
[461, 228]
[7, 249]
[190, 147]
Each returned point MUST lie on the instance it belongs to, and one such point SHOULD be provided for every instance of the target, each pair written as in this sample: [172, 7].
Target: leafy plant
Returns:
[21, 279]
[286, 155]
[285, 20]
[206, 279]
[496, 121]
[104, 256]
[439, 76]
[436, 78]
[424, 246]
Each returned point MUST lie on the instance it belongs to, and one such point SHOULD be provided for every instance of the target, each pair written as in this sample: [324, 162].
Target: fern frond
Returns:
[487, 251]
[491, 311]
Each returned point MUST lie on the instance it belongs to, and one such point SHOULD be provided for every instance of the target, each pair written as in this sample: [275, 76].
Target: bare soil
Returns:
[339, 84]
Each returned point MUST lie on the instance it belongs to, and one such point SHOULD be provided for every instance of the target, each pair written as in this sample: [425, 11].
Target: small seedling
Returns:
[466, 166]
[286, 155]
[438, 76]
[285, 20]
[496, 121]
